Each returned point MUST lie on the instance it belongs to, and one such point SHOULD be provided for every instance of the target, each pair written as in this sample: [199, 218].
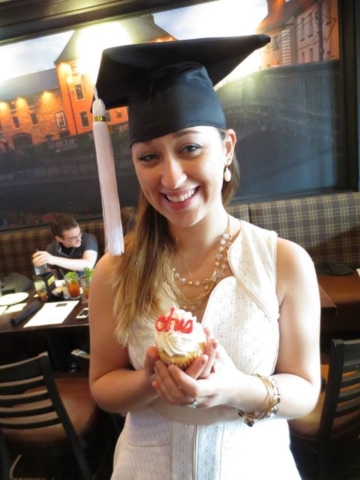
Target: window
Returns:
[34, 119]
[84, 119]
[79, 91]
[302, 29]
[311, 26]
[16, 122]
[60, 120]
[276, 42]
[311, 55]
[302, 57]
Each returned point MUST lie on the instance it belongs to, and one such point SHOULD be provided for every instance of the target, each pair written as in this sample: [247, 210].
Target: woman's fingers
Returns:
[150, 359]
[196, 368]
[210, 351]
[174, 385]
[204, 364]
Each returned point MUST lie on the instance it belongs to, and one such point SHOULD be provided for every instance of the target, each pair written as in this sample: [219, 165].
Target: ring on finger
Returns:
[194, 403]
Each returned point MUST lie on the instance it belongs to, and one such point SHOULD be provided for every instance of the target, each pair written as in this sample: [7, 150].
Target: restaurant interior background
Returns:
[292, 104]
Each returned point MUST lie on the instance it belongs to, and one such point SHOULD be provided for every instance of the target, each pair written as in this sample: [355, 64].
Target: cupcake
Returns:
[179, 338]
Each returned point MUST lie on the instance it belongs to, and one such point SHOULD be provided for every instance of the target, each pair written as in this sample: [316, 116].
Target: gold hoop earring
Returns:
[227, 174]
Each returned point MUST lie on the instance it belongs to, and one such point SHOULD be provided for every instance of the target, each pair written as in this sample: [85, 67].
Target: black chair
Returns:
[335, 421]
[46, 415]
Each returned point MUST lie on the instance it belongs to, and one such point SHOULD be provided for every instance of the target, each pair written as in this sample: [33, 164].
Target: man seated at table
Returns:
[71, 251]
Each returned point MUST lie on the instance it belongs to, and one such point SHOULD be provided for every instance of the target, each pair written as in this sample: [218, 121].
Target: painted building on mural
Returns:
[29, 108]
[301, 32]
[54, 105]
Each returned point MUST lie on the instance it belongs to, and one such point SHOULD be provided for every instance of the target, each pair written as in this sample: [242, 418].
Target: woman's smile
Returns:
[181, 197]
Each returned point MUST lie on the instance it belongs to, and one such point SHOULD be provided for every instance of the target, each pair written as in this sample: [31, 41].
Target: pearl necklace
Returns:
[188, 303]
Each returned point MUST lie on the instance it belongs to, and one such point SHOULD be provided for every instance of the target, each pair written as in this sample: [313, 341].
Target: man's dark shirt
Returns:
[88, 242]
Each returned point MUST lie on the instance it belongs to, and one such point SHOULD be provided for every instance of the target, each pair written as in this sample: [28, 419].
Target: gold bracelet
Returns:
[273, 394]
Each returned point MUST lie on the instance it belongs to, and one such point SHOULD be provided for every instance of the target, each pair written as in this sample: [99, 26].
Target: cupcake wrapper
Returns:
[182, 361]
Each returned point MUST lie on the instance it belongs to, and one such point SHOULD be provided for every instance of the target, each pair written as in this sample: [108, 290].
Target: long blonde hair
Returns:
[144, 271]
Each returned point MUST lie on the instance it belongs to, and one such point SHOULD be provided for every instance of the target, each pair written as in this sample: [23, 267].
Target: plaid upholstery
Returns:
[18, 246]
[327, 226]
[239, 211]
[96, 228]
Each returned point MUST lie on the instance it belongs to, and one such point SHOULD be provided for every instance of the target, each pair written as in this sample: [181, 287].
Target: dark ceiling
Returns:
[20, 19]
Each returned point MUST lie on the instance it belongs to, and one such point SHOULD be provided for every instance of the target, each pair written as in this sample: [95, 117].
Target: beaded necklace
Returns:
[192, 303]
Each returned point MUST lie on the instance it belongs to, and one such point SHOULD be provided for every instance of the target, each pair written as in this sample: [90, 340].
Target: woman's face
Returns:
[181, 174]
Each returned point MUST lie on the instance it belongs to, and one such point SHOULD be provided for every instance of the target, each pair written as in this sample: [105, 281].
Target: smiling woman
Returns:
[244, 286]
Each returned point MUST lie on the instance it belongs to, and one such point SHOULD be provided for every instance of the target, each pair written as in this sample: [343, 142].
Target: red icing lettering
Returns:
[163, 323]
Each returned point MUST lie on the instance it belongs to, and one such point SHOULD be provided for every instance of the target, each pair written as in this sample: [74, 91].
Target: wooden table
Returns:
[328, 307]
[70, 325]
[344, 291]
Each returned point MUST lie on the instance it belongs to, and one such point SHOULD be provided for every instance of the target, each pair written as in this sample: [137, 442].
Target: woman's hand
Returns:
[210, 379]
[149, 364]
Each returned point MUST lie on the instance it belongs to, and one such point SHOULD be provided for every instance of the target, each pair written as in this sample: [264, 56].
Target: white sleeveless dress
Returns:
[163, 442]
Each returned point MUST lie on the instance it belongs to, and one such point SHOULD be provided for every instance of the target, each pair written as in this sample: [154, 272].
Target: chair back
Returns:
[342, 397]
[30, 400]
[29, 397]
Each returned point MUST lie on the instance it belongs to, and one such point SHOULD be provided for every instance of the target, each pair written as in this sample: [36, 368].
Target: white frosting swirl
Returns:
[177, 342]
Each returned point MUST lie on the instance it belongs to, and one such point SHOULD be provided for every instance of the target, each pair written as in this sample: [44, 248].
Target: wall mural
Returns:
[283, 103]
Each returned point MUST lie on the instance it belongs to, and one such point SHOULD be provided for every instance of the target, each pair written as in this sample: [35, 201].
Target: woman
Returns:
[255, 294]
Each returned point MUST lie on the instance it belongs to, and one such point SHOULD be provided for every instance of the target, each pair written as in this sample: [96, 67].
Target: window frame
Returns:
[37, 18]
[34, 119]
[84, 119]
[349, 38]
[16, 121]
[79, 92]
[69, 16]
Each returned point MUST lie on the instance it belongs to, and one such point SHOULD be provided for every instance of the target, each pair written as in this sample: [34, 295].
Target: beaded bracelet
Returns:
[273, 393]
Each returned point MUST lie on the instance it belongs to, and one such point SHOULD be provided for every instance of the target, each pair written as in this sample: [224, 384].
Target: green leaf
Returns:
[73, 276]
[88, 272]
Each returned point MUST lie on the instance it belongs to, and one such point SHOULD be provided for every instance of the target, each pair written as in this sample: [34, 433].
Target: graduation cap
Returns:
[167, 86]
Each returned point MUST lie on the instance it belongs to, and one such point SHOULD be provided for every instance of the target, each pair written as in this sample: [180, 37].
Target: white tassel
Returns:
[114, 239]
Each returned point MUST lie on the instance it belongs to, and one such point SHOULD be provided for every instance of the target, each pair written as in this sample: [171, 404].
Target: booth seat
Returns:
[327, 226]
[17, 246]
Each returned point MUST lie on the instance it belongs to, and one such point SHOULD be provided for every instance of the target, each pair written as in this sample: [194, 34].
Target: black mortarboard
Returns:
[169, 85]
